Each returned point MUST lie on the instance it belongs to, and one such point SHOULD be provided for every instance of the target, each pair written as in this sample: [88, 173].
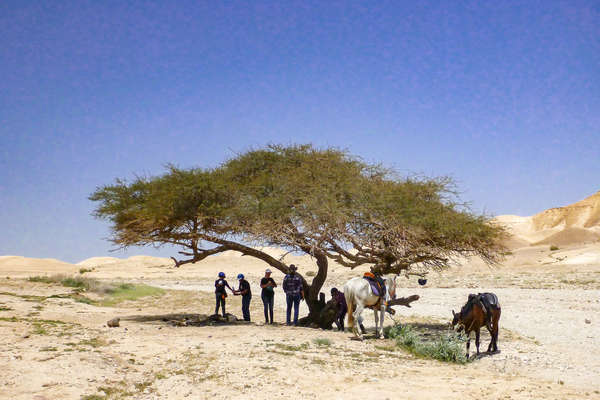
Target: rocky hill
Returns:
[561, 226]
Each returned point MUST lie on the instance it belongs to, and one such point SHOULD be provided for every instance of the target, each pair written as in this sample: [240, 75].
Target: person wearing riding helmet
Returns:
[220, 293]
[244, 290]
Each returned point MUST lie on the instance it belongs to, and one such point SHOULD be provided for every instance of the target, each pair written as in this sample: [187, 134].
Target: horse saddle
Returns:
[487, 300]
[377, 285]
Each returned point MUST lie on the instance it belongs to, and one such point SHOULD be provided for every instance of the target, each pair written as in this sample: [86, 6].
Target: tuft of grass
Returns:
[448, 348]
[126, 291]
[310, 273]
[322, 342]
[114, 293]
[554, 248]
[84, 270]
[93, 342]
[291, 347]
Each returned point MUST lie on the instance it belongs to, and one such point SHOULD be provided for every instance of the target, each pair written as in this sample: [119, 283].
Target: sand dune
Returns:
[570, 236]
[23, 266]
[572, 224]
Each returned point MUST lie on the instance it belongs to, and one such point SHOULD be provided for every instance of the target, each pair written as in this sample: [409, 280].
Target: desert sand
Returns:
[54, 347]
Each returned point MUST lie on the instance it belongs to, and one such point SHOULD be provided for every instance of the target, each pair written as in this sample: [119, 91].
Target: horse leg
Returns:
[491, 331]
[360, 324]
[358, 321]
[477, 340]
[496, 329]
[376, 322]
[468, 343]
[381, 317]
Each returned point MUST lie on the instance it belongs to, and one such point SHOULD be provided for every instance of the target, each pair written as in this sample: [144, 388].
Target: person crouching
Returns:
[341, 307]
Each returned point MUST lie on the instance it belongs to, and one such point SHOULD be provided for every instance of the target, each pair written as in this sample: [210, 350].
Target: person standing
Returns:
[246, 293]
[220, 293]
[341, 307]
[268, 295]
[292, 286]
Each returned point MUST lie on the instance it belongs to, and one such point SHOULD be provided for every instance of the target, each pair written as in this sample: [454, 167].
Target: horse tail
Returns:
[350, 305]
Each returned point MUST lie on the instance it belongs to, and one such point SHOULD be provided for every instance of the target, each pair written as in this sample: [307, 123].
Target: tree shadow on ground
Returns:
[187, 319]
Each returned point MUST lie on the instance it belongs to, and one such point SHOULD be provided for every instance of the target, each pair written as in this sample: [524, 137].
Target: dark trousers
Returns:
[268, 305]
[339, 320]
[220, 302]
[246, 307]
[295, 300]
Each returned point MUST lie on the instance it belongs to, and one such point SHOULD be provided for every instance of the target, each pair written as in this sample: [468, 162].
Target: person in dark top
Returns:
[342, 308]
[246, 293]
[294, 292]
[268, 295]
[220, 293]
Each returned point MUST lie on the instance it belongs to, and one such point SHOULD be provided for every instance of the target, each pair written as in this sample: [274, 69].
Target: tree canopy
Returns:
[323, 202]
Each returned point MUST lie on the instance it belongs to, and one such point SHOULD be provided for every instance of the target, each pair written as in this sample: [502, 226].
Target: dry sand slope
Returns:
[57, 348]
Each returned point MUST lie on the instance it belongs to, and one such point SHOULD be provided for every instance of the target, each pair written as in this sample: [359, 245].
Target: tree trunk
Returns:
[315, 300]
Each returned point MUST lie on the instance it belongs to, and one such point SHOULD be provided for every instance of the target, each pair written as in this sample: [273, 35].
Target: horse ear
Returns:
[453, 313]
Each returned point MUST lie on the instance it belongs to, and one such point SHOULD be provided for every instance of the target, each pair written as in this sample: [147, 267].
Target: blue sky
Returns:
[502, 96]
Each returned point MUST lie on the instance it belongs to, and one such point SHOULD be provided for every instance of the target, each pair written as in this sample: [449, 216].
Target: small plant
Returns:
[554, 248]
[84, 270]
[290, 347]
[45, 279]
[322, 342]
[449, 347]
[311, 273]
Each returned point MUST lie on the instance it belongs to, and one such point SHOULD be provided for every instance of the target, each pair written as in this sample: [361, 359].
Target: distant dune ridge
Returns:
[561, 226]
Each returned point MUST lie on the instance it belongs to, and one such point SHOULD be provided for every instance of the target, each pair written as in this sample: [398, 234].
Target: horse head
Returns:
[457, 320]
[390, 283]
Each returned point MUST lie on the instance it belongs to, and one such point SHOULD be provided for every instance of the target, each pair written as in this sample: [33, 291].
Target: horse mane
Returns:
[466, 309]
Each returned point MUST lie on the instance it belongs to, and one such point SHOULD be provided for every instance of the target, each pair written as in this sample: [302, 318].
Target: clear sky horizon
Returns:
[502, 96]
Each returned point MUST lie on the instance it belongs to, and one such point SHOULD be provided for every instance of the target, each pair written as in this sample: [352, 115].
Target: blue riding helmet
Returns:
[240, 276]
[221, 274]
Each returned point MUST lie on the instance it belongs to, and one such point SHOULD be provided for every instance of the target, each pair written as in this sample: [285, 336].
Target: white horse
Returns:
[359, 295]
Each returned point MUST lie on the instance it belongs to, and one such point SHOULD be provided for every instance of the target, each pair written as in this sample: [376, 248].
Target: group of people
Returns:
[292, 286]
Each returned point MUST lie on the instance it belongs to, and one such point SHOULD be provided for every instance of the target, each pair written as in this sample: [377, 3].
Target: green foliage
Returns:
[113, 293]
[128, 292]
[322, 342]
[319, 201]
[448, 347]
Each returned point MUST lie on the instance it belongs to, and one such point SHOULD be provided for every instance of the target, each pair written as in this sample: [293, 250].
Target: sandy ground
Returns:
[57, 348]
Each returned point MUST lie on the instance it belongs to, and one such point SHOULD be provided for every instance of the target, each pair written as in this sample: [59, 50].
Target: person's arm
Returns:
[273, 283]
[227, 285]
[284, 285]
[301, 288]
[264, 285]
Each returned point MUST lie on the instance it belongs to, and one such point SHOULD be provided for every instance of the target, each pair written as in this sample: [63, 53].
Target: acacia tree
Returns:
[322, 202]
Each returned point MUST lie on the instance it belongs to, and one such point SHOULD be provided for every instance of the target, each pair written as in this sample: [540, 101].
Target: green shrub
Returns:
[322, 342]
[448, 347]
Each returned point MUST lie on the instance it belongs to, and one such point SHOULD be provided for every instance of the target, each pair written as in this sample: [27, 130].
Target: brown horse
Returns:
[481, 309]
